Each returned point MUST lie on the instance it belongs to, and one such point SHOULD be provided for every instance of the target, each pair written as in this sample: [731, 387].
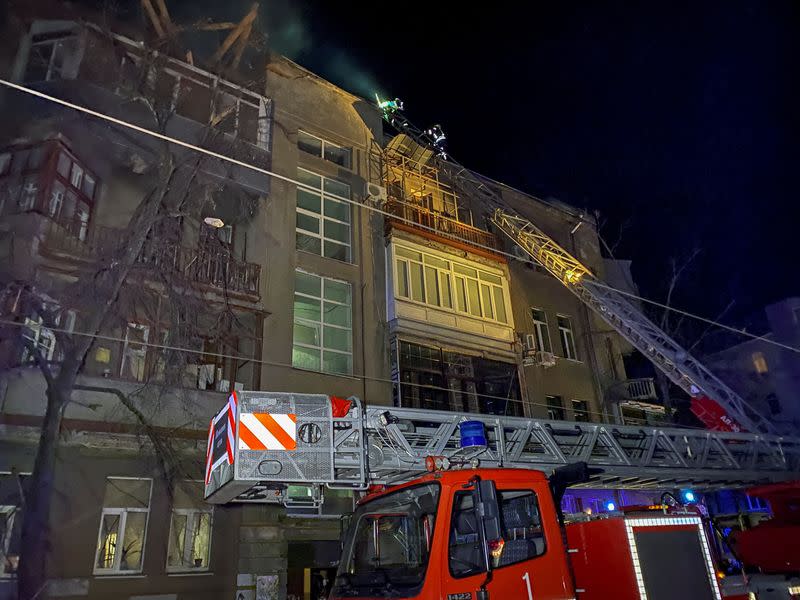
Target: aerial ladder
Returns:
[613, 307]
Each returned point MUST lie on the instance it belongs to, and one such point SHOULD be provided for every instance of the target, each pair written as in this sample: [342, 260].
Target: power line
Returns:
[112, 338]
[301, 185]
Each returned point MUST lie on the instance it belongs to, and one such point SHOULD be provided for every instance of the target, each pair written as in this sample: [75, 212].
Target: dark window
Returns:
[523, 537]
[555, 408]
[580, 410]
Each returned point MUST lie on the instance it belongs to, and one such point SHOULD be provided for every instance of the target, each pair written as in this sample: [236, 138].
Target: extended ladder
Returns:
[384, 445]
[665, 353]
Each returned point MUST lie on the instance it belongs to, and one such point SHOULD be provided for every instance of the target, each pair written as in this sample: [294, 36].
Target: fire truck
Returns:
[466, 506]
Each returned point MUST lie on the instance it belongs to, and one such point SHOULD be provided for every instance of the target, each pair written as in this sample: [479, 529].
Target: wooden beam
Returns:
[240, 46]
[208, 26]
[148, 8]
[243, 25]
[165, 18]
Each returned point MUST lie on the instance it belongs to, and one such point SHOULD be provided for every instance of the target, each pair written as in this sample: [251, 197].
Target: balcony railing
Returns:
[208, 266]
[440, 224]
[642, 389]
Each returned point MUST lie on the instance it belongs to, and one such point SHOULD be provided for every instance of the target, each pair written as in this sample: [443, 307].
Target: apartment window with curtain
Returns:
[555, 408]
[123, 525]
[190, 529]
[450, 285]
[323, 216]
[567, 337]
[311, 144]
[540, 330]
[323, 335]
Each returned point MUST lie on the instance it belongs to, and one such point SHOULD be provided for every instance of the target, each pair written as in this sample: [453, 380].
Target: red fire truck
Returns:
[459, 506]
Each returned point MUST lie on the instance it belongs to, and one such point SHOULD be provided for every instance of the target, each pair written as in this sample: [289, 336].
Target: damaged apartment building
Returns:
[358, 270]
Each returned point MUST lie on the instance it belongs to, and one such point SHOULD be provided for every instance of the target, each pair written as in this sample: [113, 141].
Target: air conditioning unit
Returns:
[529, 342]
[545, 359]
[376, 192]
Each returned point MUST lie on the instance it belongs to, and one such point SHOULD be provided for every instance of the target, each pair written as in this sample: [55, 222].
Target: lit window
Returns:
[541, 331]
[426, 278]
[323, 216]
[555, 408]
[580, 410]
[331, 152]
[134, 351]
[51, 55]
[190, 529]
[760, 363]
[123, 525]
[567, 337]
[323, 336]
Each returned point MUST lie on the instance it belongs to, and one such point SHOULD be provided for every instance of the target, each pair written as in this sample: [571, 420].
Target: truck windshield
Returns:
[387, 545]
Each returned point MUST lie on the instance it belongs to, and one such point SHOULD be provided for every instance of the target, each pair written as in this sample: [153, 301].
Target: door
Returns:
[529, 561]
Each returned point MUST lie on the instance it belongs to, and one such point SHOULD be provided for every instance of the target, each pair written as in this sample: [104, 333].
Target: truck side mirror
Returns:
[488, 509]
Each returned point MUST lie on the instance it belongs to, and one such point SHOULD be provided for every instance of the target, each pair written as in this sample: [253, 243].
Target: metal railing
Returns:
[208, 266]
[440, 224]
[639, 389]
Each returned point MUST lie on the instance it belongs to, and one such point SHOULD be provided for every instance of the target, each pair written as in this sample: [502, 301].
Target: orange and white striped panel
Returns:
[265, 431]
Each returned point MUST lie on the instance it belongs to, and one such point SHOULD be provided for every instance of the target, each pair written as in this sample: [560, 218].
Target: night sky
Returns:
[677, 121]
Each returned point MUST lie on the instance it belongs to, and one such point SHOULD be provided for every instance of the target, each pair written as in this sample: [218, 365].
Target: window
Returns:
[435, 281]
[37, 336]
[555, 408]
[76, 178]
[190, 529]
[134, 351]
[760, 363]
[322, 324]
[5, 162]
[30, 192]
[50, 55]
[323, 216]
[331, 152]
[521, 528]
[756, 504]
[541, 331]
[567, 337]
[10, 529]
[123, 525]
[580, 410]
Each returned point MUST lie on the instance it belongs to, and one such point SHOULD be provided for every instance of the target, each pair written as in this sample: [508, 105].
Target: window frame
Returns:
[5, 542]
[541, 329]
[144, 347]
[567, 337]
[583, 410]
[187, 550]
[54, 40]
[123, 513]
[321, 217]
[455, 282]
[323, 143]
[560, 407]
[321, 324]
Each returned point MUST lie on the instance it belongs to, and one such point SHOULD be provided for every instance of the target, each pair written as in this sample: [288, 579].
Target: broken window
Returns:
[51, 55]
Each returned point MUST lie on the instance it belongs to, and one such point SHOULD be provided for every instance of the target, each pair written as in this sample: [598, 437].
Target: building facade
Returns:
[356, 270]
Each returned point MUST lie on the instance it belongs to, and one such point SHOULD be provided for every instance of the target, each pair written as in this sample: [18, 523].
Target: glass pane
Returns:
[337, 210]
[306, 333]
[402, 279]
[543, 337]
[307, 222]
[88, 186]
[490, 278]
[417, 292]
[405, 253]
[305, 358]
[465, 271]
[127, 493]
[309, 178]
[337, 231]
[474, 299]
[64, 164]
[337, 314]
[338, 291]
[306, 283]
[499, 304]
[76, 179]
[133, 542]
[563, 322]
[431, 286]
[436, 262]
[177, 538]
[309, 144]
[538, 315]
[309, 243]
[486, 297]
[337, 188]
[201, 543]
[107, 543]
[336, 251]
[335, 362]
[461, 294]
[337, 339]
[308, 200]
[335, 154]
[444, 287]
